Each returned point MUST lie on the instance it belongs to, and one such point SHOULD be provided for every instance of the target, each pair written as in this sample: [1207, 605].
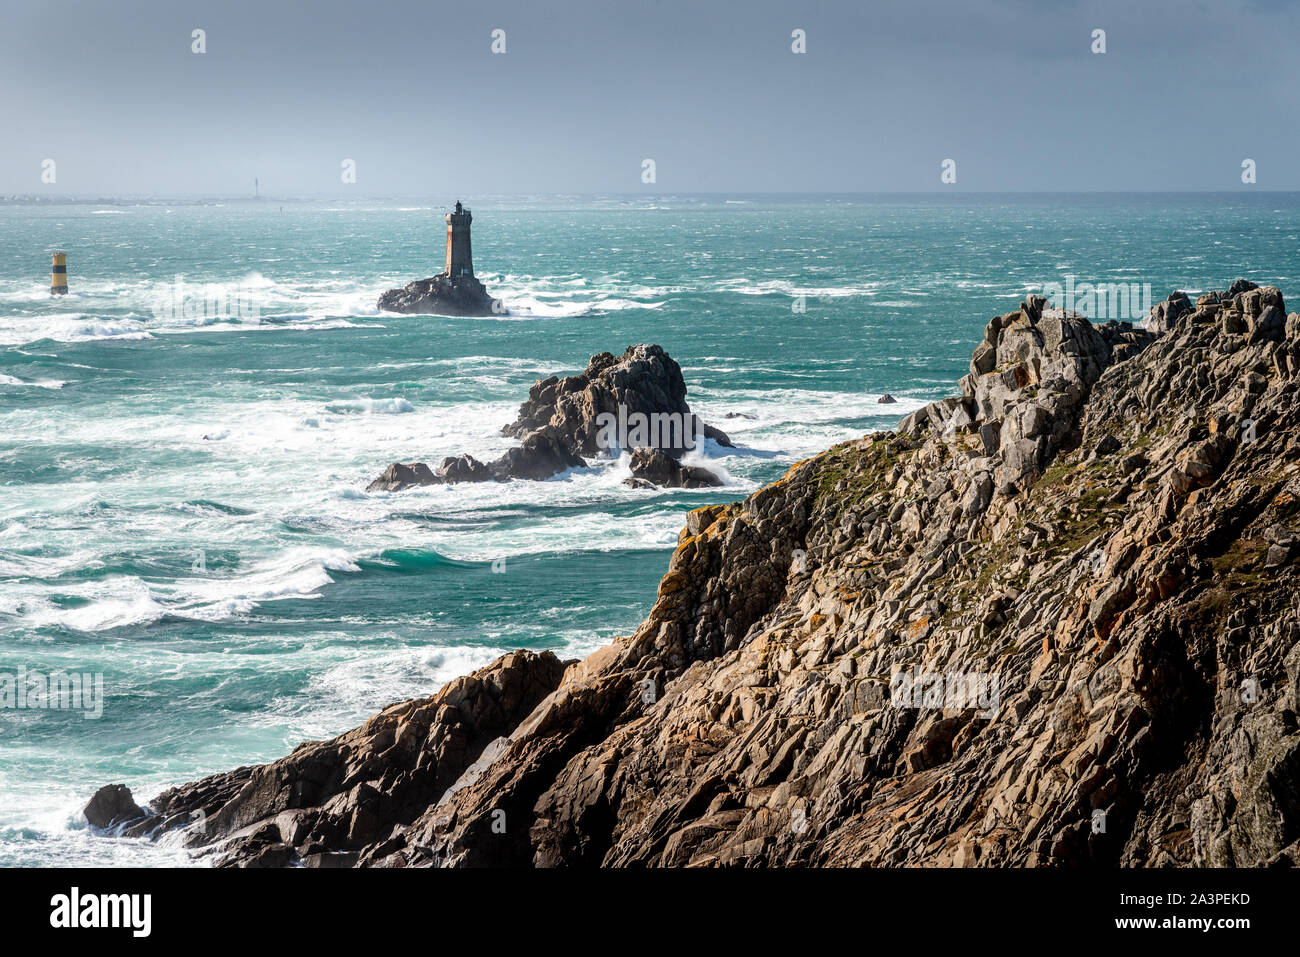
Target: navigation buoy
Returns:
[59, 279]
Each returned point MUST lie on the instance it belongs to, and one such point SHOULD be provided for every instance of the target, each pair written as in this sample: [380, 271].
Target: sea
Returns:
[187, 436]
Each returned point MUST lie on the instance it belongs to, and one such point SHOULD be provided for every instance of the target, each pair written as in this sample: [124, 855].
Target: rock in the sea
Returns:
[442, 296]
[402, 475]
[655, 467]
[602, 408]
[111, 806]
[886, 399]
[631, 402]
[543, 452]
[462, 468]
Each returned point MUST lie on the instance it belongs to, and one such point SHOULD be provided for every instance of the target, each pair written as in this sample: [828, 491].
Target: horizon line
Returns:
[36, 198]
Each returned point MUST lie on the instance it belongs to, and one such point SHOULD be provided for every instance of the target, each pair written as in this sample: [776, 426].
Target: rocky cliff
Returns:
[1050, 621]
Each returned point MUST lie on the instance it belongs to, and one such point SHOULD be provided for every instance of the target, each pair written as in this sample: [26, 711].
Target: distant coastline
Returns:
[943, 197]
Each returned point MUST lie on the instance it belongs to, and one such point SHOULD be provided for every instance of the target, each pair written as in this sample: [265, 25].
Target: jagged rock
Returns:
[630, 389]
[112, 805]
[1164, 314]
[442, 296]
[656, 467]
[886, 399]
[1277, 555]
[335, 803]
[1033, 307]
[402, 475]
[1108, 445]
[897, 655]
[990, 434]
[913, 424]
[563, 420]
[462, 468]
[543, 453]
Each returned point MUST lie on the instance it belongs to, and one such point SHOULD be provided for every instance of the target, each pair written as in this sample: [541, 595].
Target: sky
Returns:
[411, 92]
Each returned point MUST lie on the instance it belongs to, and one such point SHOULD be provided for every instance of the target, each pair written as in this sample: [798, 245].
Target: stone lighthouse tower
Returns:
[454, 291]
[459, 261]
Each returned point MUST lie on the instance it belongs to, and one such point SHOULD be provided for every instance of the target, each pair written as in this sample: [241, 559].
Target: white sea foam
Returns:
[176, 305]
[616, 305]
[181, 304]
[784, 287]
[361, 685]
[124, 601]
[532, 307]
[395, 405]
[33, 383]
[106, 613]
[299, 573]
[44, 825]
[68, 327]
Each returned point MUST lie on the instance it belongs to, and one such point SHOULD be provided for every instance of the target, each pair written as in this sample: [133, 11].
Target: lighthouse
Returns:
[454, 291]
[459, 261]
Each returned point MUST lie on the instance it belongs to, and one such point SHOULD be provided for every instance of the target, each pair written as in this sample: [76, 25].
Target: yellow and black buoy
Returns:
[59, 280]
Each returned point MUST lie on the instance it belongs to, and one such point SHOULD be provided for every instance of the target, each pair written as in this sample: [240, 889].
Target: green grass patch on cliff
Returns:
[863, 471]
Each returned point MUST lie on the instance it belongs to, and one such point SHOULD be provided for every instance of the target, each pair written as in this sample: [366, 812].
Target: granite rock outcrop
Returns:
[1051, 621]
[634, 403]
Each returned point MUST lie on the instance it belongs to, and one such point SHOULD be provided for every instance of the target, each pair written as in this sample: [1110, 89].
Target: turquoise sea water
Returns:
[182, 504]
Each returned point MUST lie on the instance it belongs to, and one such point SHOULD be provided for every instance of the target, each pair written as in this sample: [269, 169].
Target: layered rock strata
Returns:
[1049, 621]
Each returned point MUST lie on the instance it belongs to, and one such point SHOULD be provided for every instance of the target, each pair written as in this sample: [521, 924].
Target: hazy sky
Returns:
[588, 89]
